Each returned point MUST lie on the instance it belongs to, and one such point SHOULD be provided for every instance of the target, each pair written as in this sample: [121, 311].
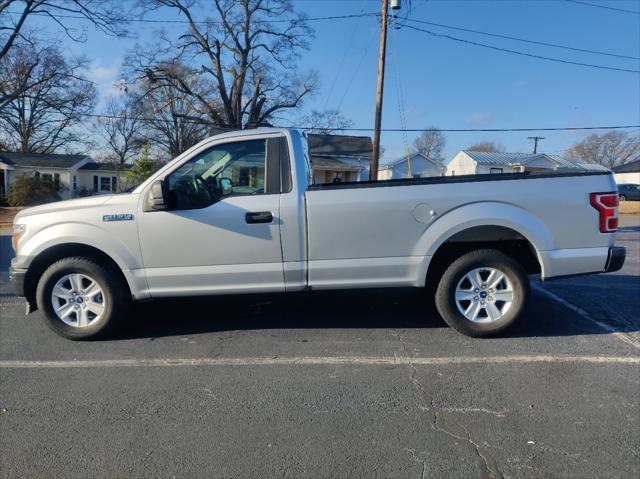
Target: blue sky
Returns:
[448, 84]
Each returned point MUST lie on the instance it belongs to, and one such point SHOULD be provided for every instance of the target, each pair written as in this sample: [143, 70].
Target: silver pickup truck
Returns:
[239, 213]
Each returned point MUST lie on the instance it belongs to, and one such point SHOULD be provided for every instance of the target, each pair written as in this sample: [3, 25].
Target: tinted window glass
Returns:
[221, 171]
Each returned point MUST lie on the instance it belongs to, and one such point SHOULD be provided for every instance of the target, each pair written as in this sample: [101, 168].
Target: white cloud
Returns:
[99, 73]
[106, 78]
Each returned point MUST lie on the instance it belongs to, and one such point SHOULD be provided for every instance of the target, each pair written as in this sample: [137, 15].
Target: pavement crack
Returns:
[423, 474]
[487, 472]
[463, 410]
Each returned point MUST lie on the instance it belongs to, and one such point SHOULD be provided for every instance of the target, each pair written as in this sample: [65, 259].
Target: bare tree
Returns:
[10, 88]
[55, 97]
[430, 143]
[246, 53]
[610, 149]
[120, 127]
[173, 120]
[328, 122]
[108, 16]
[487, 147]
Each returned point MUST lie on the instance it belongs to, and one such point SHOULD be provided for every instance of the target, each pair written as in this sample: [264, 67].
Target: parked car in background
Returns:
[240, 213]
[629, 192]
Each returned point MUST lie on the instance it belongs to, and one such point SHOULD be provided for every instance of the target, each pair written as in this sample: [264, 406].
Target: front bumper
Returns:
[615, 259]
[16, 278]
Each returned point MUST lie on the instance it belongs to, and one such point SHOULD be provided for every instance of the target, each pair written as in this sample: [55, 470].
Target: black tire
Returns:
[622, 198]
[484, 258]
[115, 296]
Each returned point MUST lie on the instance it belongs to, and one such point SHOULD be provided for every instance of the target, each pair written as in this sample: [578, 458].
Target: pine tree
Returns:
[142, 167]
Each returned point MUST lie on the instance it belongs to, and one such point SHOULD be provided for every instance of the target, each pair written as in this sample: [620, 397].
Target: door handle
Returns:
[259, 217]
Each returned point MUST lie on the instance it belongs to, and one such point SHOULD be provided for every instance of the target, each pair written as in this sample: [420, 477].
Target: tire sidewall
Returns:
[45, 287]
[492, 259]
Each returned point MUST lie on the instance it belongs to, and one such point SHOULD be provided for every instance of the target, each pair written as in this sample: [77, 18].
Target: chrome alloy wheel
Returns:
[484, 295]
[78, 300]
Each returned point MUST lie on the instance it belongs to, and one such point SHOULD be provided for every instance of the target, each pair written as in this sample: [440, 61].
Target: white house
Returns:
[468, 162]
[421, 167]
[628, 173]
[71, 173]
[339, 158]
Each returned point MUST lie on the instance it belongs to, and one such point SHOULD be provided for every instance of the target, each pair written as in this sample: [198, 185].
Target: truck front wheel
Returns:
[80, 298]
[482, 293]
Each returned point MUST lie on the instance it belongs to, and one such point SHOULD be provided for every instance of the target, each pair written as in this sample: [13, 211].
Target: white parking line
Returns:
[626, 338]
[317, 361]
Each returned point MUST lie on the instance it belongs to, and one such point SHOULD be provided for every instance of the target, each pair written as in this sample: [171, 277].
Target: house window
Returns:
[46, 177]
[104, 183]
[56, 180]
[495, 170]
[75, 183]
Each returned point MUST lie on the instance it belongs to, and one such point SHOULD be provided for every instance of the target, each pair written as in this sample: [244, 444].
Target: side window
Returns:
[221, 171]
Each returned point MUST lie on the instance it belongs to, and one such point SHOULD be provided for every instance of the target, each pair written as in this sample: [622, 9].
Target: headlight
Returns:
[18, 231]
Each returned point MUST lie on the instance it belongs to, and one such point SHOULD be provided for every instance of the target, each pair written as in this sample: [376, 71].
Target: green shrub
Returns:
[29, 190]
[142, 168]
[83, 192]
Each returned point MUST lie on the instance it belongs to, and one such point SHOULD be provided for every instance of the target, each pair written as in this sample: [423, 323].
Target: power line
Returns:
[497, 35]
[376, 14]
[365, 51]
[399, 90]
[340, 65]
[206, 22]
[579, 2]
[479, 130]
[446, 130]
[516, 52]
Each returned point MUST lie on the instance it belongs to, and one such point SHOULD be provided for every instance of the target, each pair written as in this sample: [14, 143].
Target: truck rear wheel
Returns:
[81, 299]
[482, 293]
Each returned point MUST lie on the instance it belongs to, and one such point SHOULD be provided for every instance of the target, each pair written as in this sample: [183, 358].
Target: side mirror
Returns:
[156, 199]
[226, 185]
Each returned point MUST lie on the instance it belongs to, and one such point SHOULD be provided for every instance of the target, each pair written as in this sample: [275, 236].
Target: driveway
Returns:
[356, 384]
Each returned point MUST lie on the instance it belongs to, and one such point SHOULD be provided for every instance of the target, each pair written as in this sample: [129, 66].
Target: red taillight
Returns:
[607, 206]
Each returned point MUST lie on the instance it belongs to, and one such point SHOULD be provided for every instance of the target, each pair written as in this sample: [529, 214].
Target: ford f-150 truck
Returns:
[239, 213]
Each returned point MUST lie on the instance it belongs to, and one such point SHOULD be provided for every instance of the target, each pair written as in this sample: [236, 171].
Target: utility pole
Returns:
[373, 170]
[535, 142]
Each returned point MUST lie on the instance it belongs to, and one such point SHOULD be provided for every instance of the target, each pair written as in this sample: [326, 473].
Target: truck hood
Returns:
[58, 206]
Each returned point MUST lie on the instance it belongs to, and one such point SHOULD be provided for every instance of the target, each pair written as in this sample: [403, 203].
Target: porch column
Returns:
[5, 177]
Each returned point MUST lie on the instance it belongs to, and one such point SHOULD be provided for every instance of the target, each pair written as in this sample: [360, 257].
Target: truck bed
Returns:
[451, 179]
[368, 232]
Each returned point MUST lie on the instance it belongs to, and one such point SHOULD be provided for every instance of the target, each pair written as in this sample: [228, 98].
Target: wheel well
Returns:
[500, 238]
[56, 253]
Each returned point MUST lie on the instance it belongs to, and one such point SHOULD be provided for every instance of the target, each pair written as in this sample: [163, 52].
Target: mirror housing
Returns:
[156, 198]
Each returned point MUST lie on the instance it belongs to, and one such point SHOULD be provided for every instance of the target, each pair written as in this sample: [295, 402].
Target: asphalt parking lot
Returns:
[358, 384]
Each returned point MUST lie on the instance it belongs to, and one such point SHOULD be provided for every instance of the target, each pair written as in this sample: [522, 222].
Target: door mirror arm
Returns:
[156, 199]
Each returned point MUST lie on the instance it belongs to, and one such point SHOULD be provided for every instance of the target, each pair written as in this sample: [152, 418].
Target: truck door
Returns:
[221, 232]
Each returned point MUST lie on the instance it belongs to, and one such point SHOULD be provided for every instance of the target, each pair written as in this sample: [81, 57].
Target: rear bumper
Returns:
[576, 262]
[615, 260]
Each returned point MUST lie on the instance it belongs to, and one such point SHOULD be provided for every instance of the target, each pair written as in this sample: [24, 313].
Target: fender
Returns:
[83, 233]
[127, 259]
[485, 214]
